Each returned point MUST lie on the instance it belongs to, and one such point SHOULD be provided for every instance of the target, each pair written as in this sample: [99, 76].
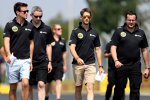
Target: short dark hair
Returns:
[18, 5]
[130, 13]
[85, 10]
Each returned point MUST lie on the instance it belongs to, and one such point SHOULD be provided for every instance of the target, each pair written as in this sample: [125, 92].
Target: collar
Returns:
[125, 27]
[42, 24]
[25, 22]
[80, 26]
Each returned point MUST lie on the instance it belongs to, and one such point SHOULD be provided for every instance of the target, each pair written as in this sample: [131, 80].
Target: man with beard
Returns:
[127, 43]
[83, 41]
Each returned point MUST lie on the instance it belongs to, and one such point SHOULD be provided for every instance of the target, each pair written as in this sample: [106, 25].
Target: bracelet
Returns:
[49, 61]
[100, 66]
[116, 60]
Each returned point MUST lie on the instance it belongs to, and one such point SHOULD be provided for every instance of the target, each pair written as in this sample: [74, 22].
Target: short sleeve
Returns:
[7, 31]
[144, 42]
[73, 38]
[115, 38]
[50, 38]
[97, 41]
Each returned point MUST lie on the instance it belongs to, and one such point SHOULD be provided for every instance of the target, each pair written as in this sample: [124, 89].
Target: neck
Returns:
[56, 37]
[130, 29]
[86, 27]
[36, 24]
[20, 20]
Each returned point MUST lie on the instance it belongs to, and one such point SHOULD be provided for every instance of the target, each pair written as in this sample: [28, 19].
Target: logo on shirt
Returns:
[92, 35]
[80, 35]
[61, 43]
[136, 35]
[27, 29]
[14, 28]
[123, 34]
[43, 32]
[53, 43]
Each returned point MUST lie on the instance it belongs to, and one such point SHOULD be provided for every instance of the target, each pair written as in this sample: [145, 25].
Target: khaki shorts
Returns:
[84, 73]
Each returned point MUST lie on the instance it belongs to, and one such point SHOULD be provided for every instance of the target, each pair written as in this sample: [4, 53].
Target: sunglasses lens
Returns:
[38, 16]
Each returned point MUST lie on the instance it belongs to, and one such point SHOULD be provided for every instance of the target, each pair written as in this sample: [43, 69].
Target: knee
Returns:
[41, 84]
[89, 87]
[25, 84]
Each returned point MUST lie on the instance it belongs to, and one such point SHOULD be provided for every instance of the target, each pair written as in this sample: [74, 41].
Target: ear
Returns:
[17, 12]
[80, 17]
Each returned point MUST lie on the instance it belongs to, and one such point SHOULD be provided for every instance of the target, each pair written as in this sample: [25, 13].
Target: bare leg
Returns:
[90, 92]
[58, 89]
[41, 90]
[25, 89]
[78, 90]
[12, 91]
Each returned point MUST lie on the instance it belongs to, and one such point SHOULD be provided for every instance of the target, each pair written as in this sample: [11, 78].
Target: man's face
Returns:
[36, 17]
[23, 13]
[57, 30]
[131, 21]
[86, 18]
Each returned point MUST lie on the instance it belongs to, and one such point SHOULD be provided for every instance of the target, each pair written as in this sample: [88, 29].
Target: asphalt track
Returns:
[70, 97]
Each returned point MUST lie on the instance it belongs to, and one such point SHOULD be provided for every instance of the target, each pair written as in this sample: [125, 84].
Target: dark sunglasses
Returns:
[37, 16]
[89, 17]
[58, 29]
[26, 11]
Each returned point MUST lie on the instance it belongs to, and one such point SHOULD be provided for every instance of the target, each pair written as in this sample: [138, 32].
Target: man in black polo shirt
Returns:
[59, 61]
[127, 43]
[42, 51]
[18, 43]
[83, 41]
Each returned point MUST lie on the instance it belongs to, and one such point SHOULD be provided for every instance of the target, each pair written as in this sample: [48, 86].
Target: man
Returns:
[127, 43]
[112, 75]
[83, 41]
[19, 45]
[59, 61]
[42, 51]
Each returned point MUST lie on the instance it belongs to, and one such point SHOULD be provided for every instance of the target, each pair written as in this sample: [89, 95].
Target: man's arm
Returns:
[49, 55]
[114, 56]
[75, 55]
[65, 61]
[99, 58]
[146, 60]
[7, 47]
[31, 52]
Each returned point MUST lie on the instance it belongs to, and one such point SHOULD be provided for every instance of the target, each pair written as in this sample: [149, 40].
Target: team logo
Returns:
[14, 28]
[123, 34]
[53, 43]
[80, 35]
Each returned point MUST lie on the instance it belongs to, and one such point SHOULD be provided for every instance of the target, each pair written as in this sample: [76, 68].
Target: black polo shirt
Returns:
[85, 42]
[20, 36]
[58, 48]
[111, 64]
[129, 44]
[42, 37]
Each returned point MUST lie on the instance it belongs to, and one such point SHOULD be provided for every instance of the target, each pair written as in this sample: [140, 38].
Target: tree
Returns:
[107, 13]
[1, 37]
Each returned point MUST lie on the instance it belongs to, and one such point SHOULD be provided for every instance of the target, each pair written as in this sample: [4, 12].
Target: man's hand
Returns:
[146, 73]
[80, 61]
[49, 67]
[101, 70]
[31, 67]
[118, 64]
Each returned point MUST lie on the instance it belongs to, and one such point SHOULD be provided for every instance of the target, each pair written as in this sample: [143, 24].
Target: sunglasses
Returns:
[89, 17]
[58, 29]
[26, 11]
[37, 16]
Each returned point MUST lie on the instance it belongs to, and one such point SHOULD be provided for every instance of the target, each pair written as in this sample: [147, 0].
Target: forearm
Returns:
[3, 53]
[65, 58]
[99, 55]
[31, 49]
[114, 53]
[145, 57]
[73, 52]
[7, 46]
[49, 52]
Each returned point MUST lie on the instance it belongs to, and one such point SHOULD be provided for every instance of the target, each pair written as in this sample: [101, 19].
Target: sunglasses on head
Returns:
[86, 17]
[37, 16]
[26, 11]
